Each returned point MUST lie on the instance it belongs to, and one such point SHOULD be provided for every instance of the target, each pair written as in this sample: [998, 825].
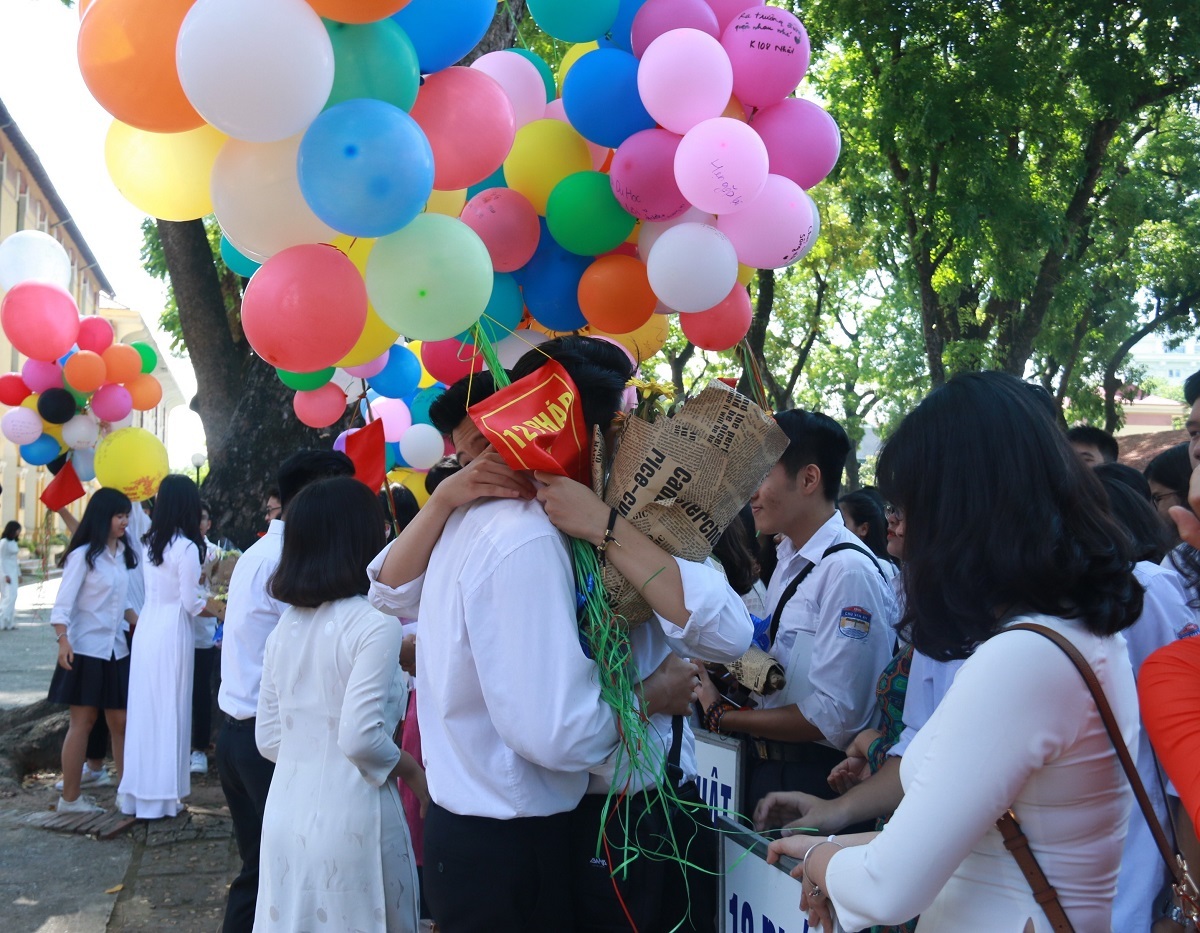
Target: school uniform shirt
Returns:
[251, 615]
[139, 525]
[204, 628]
[835, 635]
[91, 603]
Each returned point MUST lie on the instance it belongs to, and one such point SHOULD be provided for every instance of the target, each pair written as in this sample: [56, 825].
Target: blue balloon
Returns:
[419, 409]
[601, 98]
[550, 283]
[238, 263]
[41, 451]
[494, 180]
[443, 31]
[62, 360]
[365, 168]
[399, 376]
[503, 312]
[621, 34]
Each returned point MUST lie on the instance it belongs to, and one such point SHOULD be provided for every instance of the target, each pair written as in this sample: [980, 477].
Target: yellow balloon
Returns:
[573, 54]
[543, 154]
[426, 379]
[411, 480]
[376, 337]
[644, 342]
[54, 430]
[30, 401]
[164, 174]
[450, 203]
[132, 460]
[357, 249]
[745, 274]
[735, 111]
[633, 234]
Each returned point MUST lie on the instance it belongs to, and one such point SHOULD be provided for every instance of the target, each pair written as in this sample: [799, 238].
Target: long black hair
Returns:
[737, 552]
[95, 525]
[176, 515]
[866, 507]
[1001, 518]
[1130, 506]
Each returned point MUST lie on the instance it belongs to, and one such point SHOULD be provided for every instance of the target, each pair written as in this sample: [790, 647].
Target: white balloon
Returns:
[84, 462]
[259, 70]
[692, 267]
[422, 446]
[650, 232]
[81, 432]
[521, 81]
[257, 199]
[125, 422]
[351, 385]
[21, 425]
[33, 256]
[515, 346]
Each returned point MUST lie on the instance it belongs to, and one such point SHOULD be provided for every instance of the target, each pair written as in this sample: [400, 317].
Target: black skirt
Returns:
[92, 682]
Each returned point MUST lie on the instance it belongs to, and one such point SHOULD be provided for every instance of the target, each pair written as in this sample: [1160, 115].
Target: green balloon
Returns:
[81, 398]
[149, 357]
[543, 69]
[305, 382]
[375, 60]
[584, 217]
[431, 279]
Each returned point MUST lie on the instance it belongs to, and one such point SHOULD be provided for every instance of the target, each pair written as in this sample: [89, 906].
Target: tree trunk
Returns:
[502, 34]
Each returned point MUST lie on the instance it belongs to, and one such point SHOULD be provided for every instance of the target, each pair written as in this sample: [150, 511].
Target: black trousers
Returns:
[497, 876]
[202, 678]
[245, 779]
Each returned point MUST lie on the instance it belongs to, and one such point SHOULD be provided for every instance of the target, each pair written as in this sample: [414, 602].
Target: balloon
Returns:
[368, 369]
[13, 389]
[802, 140]
[375, 60]
[443, 31]
[352, 387]
[620, 36]
[400, 374]
[550, 285]
[684, 78]
[421, 446]
[339, 442]
[40, 451]
[425, 398]
[21, 425]
[411, 480]
[644, 342]
[571, 57]
[726, 10]
[374, 340]
[121, 363]
[816, 227]
[469, 122]
[692, 267]
[601, 97]
[615, 294]
[451, 360]
[83, 6]
[746, 273]
[721, 165]
[507, 224]
[81, 432]
[40, 375]
[33, 256]
[356, 11]
[722, 326]
[319, 408]
[642, 176]
[85, 371]
[127, 59]
[111, 403]
[235, 261]
[163, 174]
[774, 229]
[84, 462]
[304, 382]
[146, 352]
[144, 391]
[426, 379]
[573, 21]
[769, 51]
[132, 460]
[660, 16]
[39, 319]
[449, 203]
[501, 316]
[515, 346]
[257, 199]
[521, 81]
[543, 154]
[56, 406]
[584, 216]
[395, 417]
[543, 69]
[430, 280]
[365, 168]
[650, 232]
[556, 111]
[95, 334]
[257, 71]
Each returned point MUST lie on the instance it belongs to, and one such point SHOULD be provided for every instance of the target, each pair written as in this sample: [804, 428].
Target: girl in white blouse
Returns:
[10, 569]
[93, 653]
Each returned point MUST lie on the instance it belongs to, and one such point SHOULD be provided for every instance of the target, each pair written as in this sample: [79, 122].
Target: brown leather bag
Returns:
[1016, 843]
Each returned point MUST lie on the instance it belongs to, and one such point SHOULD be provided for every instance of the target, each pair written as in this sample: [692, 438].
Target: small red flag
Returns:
[64, 489]
[366, 448]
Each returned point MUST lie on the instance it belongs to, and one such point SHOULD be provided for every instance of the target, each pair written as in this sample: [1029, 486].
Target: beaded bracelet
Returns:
[714, 714]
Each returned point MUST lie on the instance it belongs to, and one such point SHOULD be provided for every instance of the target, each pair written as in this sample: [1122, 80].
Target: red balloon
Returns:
[507, 224]
[95, 334]
[449, 360]
[470, 125]
[305, 308]
[319, 408]
[721, 326]
[40, 319]
[13, 390]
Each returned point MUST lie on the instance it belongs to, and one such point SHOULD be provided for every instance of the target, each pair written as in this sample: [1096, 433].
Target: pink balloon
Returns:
[95, 334]
[111, 403]
[395, 416]
[684, 77]
[21, 425]
[726, 10]
[40, 376]
[802, 140]
[470, 124]
[508, 225]
[40, 319]
[319, 408]
[769, 51]
[305, 308]
[521, 82]
[650, 232]
[450, 360]
[721, 165]
[773, 231]
[659, 16]
[373, 368]
[722, 326]
[642, 175]
[556, 111]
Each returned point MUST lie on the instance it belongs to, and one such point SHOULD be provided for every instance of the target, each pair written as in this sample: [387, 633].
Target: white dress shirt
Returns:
[251, 615]
[139, 525]
[91, 603]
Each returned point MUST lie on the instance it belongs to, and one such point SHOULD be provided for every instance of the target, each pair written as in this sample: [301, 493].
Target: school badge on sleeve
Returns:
[854, 622]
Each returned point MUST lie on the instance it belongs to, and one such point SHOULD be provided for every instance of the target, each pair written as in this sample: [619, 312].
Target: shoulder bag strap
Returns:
[1043, 891]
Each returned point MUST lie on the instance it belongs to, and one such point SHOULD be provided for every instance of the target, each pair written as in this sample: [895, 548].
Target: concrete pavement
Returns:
[28, 653]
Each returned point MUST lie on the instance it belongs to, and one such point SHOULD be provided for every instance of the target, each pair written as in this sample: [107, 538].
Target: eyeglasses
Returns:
[893, 512]
[1158, 497]
[273, 510]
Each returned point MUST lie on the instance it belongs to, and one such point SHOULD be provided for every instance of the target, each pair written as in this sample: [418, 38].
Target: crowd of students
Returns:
[913, 716]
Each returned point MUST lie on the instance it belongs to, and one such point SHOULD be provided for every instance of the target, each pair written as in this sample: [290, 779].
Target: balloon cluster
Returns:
[372, 189]
[77, 388]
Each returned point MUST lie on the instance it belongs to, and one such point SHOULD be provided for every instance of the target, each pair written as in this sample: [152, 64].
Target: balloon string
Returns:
[750, 361]
[516, 26]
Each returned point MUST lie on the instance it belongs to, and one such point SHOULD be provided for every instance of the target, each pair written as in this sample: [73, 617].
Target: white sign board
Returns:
[719, 779]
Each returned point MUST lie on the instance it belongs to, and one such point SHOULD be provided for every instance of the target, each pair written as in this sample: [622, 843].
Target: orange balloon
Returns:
[122, 363]
[357, 11]
[84, 5]
[615, 294]
[85, 371]
[127, 56]
[145, 392]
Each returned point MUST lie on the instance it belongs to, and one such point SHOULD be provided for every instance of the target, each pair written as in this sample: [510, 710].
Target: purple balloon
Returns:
[643, 176]
[370, 368]
[112, 403]
[802, 140]
[769, 51]
[726, 10]
[340, 443]
[40, 376]
[659, 16]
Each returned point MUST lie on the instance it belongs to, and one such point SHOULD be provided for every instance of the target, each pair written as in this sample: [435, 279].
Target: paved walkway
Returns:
[28, 653]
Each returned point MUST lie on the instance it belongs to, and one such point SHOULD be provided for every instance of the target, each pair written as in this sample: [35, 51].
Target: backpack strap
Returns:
[790, 591]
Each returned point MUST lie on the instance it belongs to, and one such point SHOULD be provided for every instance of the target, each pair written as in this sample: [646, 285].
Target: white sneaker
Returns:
[89, 778]
[199, 763]
[81, 805]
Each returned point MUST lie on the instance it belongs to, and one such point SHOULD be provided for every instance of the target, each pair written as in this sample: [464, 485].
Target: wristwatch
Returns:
[1176, 914]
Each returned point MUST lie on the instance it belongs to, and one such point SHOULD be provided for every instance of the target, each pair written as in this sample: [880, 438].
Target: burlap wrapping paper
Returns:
[758, 671]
